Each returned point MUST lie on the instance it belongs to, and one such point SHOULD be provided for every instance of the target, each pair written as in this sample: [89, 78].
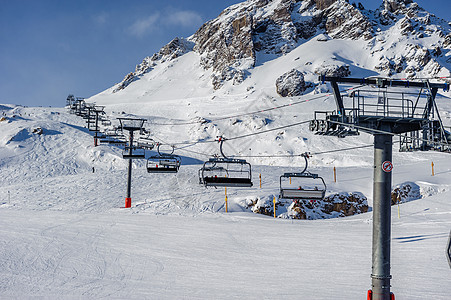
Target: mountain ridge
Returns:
[402, 39]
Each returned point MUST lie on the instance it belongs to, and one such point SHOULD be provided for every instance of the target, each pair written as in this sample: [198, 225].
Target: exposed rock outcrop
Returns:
[336, 205]
[333, 206]
[226, 45]
[333, 70]
[291, 84]
[344, 21]
[405, 192]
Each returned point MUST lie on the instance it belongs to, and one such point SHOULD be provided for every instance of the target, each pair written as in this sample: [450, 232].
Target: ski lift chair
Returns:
[307, 186]
[146, 142]
[113, 140]
[226, 172]
[163, 163]
[106, 122]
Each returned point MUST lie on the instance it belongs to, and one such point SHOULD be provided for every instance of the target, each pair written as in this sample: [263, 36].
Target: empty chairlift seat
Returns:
[164, 163]
[226, 172]
[304, 186]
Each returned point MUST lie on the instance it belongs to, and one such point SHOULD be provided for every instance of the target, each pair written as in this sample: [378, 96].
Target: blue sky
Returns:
[49, 49]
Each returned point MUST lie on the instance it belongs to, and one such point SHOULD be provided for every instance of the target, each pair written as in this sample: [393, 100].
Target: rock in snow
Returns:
[291, 84]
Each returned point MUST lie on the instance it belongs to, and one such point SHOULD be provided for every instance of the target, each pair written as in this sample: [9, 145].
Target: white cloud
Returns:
[141, 26]
[181, 18]
[101, 18]
[184, 18]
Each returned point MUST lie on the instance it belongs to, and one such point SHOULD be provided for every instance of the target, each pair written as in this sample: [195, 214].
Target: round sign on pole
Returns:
[387, 166]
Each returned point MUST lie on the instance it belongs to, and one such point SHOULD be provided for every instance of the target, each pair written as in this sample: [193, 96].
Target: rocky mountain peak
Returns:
[323, 4]
[394, 6]
[230, 45]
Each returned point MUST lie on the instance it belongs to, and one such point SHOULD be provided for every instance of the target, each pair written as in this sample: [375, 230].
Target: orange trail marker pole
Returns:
[290, 180]
[335, 174]
[432, 165]
[226, 204]
[260, 176]
[274, 201]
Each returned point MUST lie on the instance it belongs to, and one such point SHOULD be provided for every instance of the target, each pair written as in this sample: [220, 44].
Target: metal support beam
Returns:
[97, 129]
[131, 125]
[128, 197]
[338, 99]
[381, 216]
[448, 250]
[383, 82]
[427, 116]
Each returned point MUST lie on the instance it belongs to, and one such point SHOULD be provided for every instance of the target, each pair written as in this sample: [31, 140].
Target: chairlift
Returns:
[101, 135]
[163, 162]
[225, 172]
[146, 142]
[113, 136]
[136, 153]
[306, 186]
[113, 141]
[113, 131]
[105, 121]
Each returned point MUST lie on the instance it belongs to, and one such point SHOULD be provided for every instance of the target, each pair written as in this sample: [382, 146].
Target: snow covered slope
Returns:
[64, 235]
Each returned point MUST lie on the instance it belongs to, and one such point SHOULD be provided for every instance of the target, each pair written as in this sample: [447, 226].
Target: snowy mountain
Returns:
[249, 75]
[399, 39]
[260, 54]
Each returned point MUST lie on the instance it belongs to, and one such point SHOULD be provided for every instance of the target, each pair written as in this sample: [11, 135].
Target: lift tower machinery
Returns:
[388, 108]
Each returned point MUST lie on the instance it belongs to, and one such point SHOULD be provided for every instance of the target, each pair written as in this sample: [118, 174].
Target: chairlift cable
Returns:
[241, 136]
[340, 150]
[195, 152]
[288, 155]
[244, 114]
[302, 154]
[269, 130]
[259, 111]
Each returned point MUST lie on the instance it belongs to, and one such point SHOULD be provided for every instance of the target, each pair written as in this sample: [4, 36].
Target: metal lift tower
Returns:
[99, 112]
[382, 113]
[131, 125]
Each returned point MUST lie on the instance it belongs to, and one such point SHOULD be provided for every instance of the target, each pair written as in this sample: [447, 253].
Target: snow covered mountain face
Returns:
[399, 39]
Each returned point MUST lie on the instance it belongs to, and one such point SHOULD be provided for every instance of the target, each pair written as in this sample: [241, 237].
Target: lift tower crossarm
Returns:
[338, 99]
[383, 82]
